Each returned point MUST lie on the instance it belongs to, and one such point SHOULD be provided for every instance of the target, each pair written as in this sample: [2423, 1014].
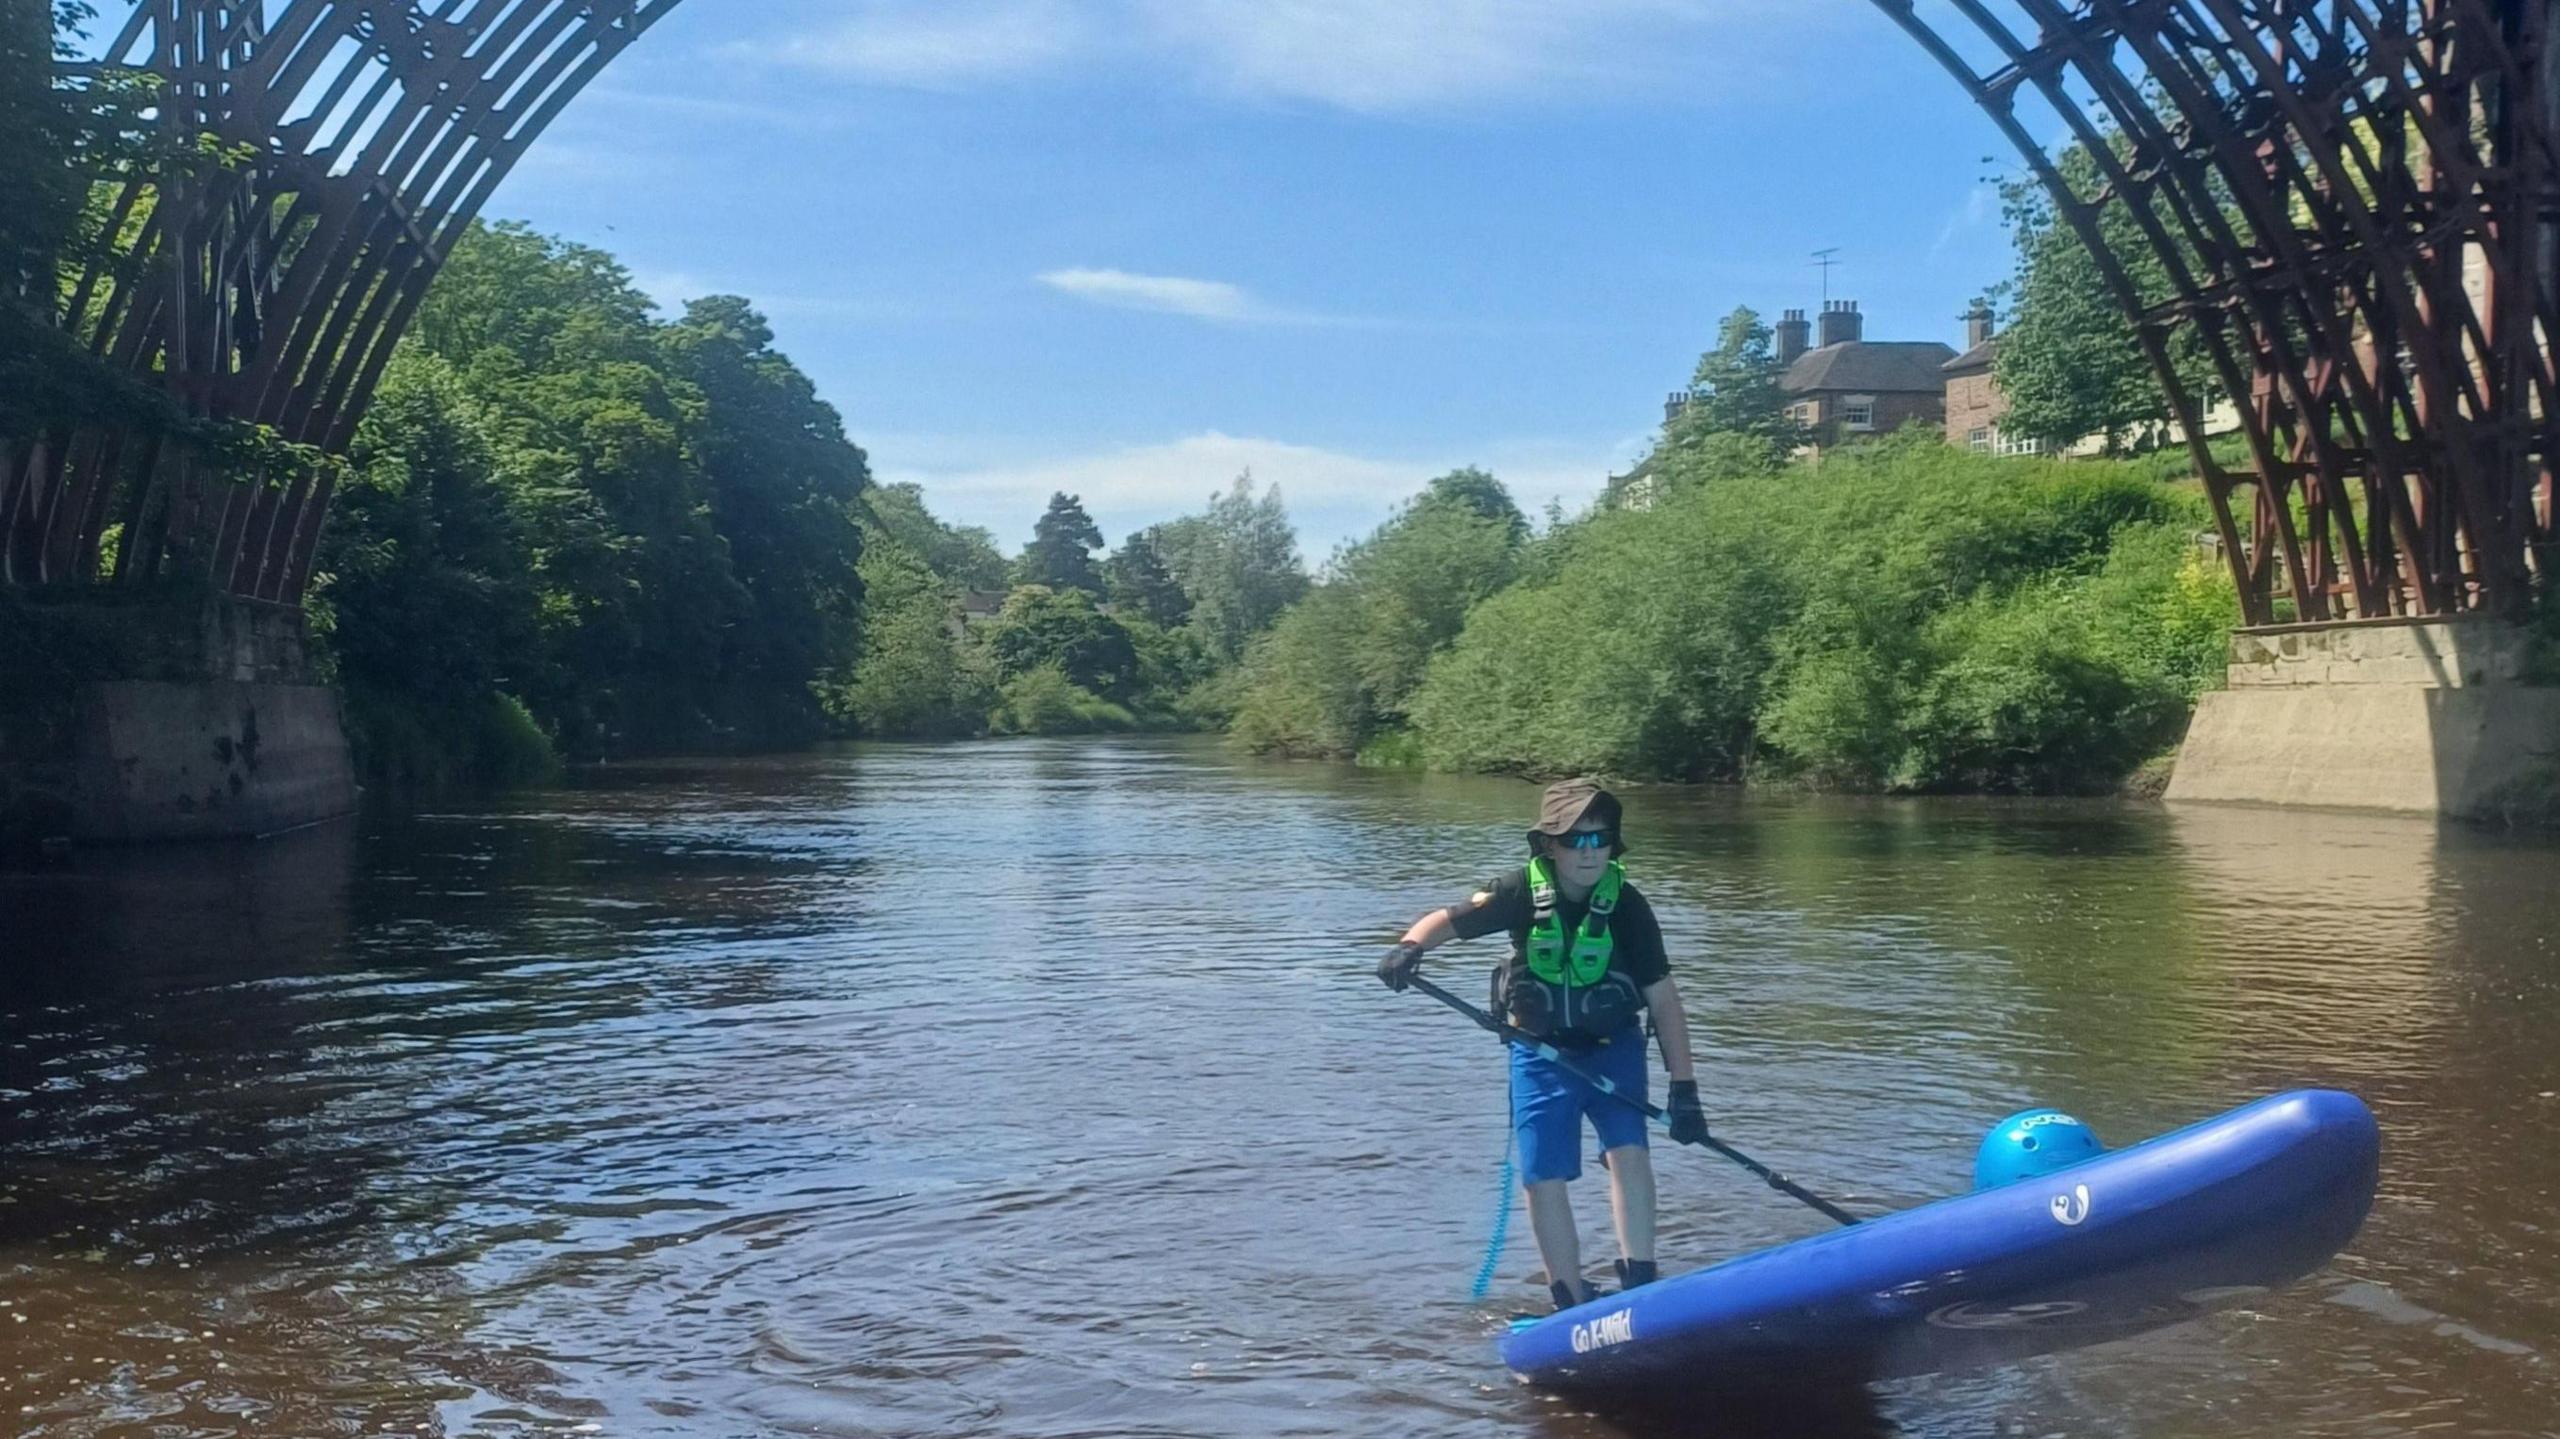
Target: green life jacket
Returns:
[1564, 988]
[1581, 965]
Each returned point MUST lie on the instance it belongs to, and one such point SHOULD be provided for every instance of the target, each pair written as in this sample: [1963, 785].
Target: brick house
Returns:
[1974, 401]
[1845, 385]
[1848, 385]
[1975, 406]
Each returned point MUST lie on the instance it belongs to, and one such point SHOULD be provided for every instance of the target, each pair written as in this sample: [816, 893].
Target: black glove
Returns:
[1688, 1121]
[1398, 967]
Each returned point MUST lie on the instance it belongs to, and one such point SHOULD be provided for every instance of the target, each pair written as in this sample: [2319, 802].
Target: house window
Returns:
[2016, 444]
[1980, 439]
[1858, 412]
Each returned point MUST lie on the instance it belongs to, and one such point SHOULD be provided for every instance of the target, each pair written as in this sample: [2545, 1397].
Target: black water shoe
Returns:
[1569, 1295]
[1632, 1272]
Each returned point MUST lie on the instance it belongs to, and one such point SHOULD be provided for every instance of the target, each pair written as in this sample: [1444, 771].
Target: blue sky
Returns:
[1129, 247]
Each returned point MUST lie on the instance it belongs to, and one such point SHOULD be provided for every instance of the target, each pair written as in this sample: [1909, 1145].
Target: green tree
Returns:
[1060, 629]
[2070, 364]
[784, 486]
[1735, 390]
[1238, 561]
[1139, 581]
[1060, 554]
[595, 426]
[1472, 491]
[964, 555]
[1042, 700]
[1340, 667]
[1905, 616]
[688, 505]
[424, 591]
[39, 135]
[916, 679]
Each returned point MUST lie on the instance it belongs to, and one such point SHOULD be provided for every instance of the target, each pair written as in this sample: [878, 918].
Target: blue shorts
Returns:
[1547, 1105]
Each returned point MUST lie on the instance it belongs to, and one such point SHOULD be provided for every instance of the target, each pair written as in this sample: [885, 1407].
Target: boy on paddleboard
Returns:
[1586, 967]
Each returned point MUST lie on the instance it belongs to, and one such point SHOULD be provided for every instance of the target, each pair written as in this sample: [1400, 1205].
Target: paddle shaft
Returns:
[1601, 1082]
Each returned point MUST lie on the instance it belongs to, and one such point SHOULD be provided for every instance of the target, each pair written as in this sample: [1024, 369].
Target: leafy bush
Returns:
[916, 679]
[404, 747]
[1902, 616]
[1045, 701]
[1341, 666]
[1045, 628]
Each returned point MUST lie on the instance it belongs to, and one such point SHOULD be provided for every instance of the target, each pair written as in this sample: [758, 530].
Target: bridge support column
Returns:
[131, 717]
[2434, 716]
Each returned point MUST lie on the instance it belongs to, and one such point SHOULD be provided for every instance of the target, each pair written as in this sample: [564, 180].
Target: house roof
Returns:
[1870, 366]
[1977, 358]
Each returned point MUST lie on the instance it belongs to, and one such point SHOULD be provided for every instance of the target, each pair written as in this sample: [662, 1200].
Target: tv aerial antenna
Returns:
[1822, 258]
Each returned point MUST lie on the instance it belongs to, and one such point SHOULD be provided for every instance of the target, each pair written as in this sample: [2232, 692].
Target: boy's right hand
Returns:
[1397, 969]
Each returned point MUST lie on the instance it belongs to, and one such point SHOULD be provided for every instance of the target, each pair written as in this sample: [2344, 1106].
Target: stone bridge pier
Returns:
[2419, 716]
[134, 716]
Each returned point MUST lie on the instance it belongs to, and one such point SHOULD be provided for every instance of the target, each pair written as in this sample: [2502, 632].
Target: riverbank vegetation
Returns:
[1902, 616]
[1899, 615]
[1079, 643]
[573, 528]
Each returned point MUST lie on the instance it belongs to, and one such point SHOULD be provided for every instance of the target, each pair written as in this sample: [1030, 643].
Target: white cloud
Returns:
[937, 44]
[1178, 295]
[646, 99]
[1333, 495]
[1356, 55]
[1980, 205]
[1173, 294]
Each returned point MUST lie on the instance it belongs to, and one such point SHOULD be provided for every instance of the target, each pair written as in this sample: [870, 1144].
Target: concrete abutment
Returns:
[2440, 717]
[132, 718]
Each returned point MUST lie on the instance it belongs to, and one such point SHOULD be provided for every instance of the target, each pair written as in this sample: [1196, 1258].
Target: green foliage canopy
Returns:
[1042, 628]
[1238, 561]
[1735, 392]
[646, 531]
[1060, 554]
[1139, 580]
[1338, 669]
[917, 678]
[2070, 362]
[1902, 616]
[964, 555]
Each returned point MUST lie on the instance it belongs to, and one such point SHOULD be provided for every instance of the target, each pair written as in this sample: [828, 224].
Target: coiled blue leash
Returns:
[1501, 1218]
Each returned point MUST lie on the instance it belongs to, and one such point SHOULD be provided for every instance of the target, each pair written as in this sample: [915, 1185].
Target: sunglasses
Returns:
[1588, 839]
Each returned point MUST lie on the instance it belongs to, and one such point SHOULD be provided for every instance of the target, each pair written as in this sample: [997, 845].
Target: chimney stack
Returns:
[1676, 402]
[1840, 321]
[1977, 325]
[1793, 332]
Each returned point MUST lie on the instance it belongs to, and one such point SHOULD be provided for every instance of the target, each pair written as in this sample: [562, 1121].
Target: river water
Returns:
[1043, 1088]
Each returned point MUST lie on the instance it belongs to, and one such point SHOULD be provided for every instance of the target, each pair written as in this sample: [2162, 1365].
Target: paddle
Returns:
[1602, 1083]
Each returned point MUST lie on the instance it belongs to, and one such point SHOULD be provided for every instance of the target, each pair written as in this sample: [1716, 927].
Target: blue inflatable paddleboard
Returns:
[2214, 1214]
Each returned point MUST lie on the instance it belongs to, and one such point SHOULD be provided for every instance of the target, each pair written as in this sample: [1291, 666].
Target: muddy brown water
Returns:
[1042, 1088]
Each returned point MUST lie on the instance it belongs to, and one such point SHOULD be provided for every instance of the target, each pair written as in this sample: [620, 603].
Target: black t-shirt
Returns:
[1635, 938]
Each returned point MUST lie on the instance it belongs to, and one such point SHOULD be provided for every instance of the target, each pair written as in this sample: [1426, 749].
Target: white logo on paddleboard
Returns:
[2073, 1207]
[1604, 1331]
[2016, 1316]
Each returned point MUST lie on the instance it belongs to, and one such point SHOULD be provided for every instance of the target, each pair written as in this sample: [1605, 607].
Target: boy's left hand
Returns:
[1688, 1121]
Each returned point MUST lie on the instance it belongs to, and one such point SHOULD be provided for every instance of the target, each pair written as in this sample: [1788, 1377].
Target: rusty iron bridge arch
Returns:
[2355, 203]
